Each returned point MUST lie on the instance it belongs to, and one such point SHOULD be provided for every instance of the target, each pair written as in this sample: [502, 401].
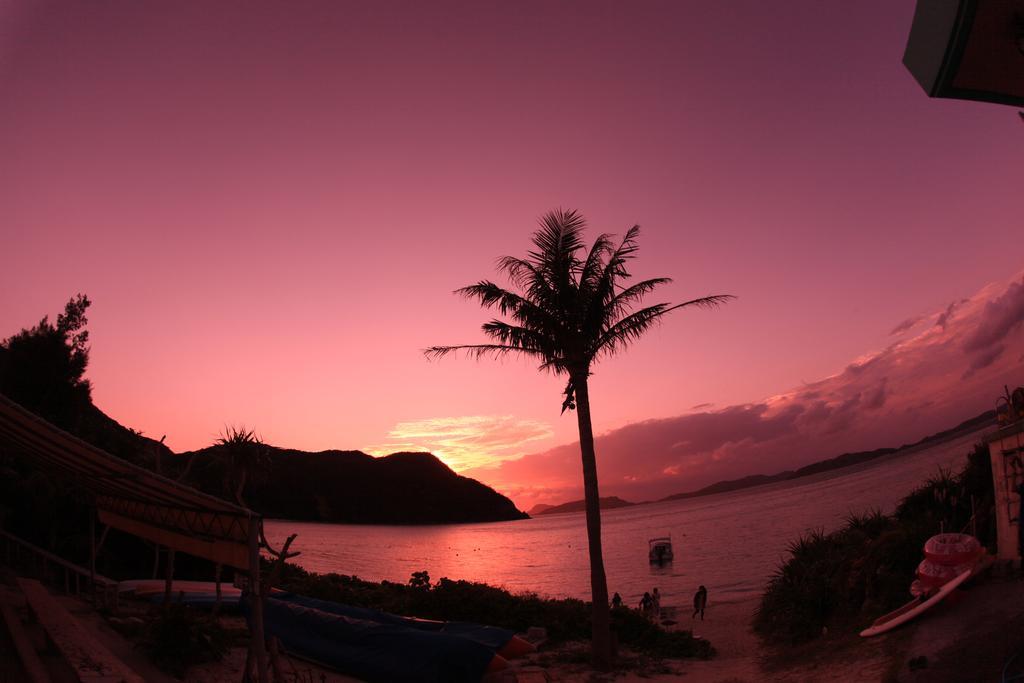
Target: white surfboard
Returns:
[913, 608]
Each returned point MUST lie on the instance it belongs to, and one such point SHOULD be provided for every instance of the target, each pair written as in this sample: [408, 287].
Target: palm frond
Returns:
[600, 289]
[521, 272]
[559, 235]
[631, 295]
[633, 326]
[529, 340]
[627, 248]
[521, 308]
[592, 267]
[557, 242]
[713, 301]
[534, 281]
[478, 350]
[627, 330]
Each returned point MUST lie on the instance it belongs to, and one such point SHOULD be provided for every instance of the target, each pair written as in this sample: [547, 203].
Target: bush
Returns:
[843, 579]
[565, 619]
[181, 637]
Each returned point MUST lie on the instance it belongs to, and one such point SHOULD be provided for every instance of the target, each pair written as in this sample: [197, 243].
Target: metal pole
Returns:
[92, 554]
[256, 589]
[169, 576]
[216, 605]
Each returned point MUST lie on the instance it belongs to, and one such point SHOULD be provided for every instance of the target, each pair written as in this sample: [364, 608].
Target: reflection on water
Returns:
[729, 542]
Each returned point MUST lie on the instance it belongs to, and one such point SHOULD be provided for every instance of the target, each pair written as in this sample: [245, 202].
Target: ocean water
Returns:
[730, 542]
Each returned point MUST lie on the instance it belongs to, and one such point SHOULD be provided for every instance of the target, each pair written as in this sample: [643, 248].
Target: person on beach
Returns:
[700, 601]
[616, 601]
[645, 604]
[656, 600]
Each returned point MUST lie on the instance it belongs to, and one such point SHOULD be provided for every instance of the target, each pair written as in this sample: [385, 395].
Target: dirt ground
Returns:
[739, 659]
[971, 636]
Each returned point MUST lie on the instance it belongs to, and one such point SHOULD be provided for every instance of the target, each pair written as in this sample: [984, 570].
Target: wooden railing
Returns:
[28, 559]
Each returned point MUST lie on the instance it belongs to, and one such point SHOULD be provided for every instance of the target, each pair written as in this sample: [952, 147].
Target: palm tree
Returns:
[568, 312]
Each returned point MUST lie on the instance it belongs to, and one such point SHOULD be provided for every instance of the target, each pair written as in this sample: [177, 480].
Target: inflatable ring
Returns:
[933, 575]
[917, 588]
[952, 549]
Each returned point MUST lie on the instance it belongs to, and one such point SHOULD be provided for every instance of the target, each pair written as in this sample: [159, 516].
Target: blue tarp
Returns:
[371, 650]
[491, 636]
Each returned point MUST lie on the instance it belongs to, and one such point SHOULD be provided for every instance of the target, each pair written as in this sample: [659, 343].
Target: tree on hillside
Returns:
[568, 309]
[43, 367]
[243, 457]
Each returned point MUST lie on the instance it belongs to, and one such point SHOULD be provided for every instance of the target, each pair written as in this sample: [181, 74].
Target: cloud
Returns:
[921, 384]
[946, 315]
[906, 325]
[998, 319]
[466, 441]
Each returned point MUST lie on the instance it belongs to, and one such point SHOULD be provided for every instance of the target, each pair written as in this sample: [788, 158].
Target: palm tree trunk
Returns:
[601, 619]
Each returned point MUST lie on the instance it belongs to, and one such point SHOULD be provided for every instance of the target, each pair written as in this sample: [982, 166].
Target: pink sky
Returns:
[271, 203]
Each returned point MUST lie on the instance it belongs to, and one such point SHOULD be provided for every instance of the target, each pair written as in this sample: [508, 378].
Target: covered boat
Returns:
[375, 650]
[500, 640]
[660, 550]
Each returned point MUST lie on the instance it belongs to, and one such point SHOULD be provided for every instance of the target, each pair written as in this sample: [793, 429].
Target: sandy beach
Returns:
[967, 638]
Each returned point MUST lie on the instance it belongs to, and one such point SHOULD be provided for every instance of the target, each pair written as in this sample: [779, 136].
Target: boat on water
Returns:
[660, 549]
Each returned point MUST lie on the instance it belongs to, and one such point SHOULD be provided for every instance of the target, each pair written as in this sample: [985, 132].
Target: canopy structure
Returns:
[968, 49]
[134, 499]
[145, 504]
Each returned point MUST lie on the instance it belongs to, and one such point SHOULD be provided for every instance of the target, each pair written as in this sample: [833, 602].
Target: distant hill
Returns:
[732, 485]
[42, 369]
[332, 486]
[608, 503]
[838, 462]
[844, 460]
[353, 487]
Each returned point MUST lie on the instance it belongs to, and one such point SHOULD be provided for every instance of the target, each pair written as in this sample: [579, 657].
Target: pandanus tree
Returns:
[243, 457]
[568, 308]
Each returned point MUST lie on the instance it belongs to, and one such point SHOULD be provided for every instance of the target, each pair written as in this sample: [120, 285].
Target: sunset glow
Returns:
[270, 206]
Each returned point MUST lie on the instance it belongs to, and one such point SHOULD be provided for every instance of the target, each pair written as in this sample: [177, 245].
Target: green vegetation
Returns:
[569, 307]
[43, 367]
[565, 619]
[844, 579]
[243, 456]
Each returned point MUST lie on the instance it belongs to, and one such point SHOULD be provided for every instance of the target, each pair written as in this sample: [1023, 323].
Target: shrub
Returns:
[864, 569]
[181, 637]
[565, 619]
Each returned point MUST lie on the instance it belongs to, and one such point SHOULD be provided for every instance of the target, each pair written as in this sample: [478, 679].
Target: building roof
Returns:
[131, 498]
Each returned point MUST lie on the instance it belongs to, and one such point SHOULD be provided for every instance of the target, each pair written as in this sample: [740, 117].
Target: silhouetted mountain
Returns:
[332, 486]
[353, 487]
[732, 485]
[42, 368]
[608, 503]
[840, 461]
[844, 460]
